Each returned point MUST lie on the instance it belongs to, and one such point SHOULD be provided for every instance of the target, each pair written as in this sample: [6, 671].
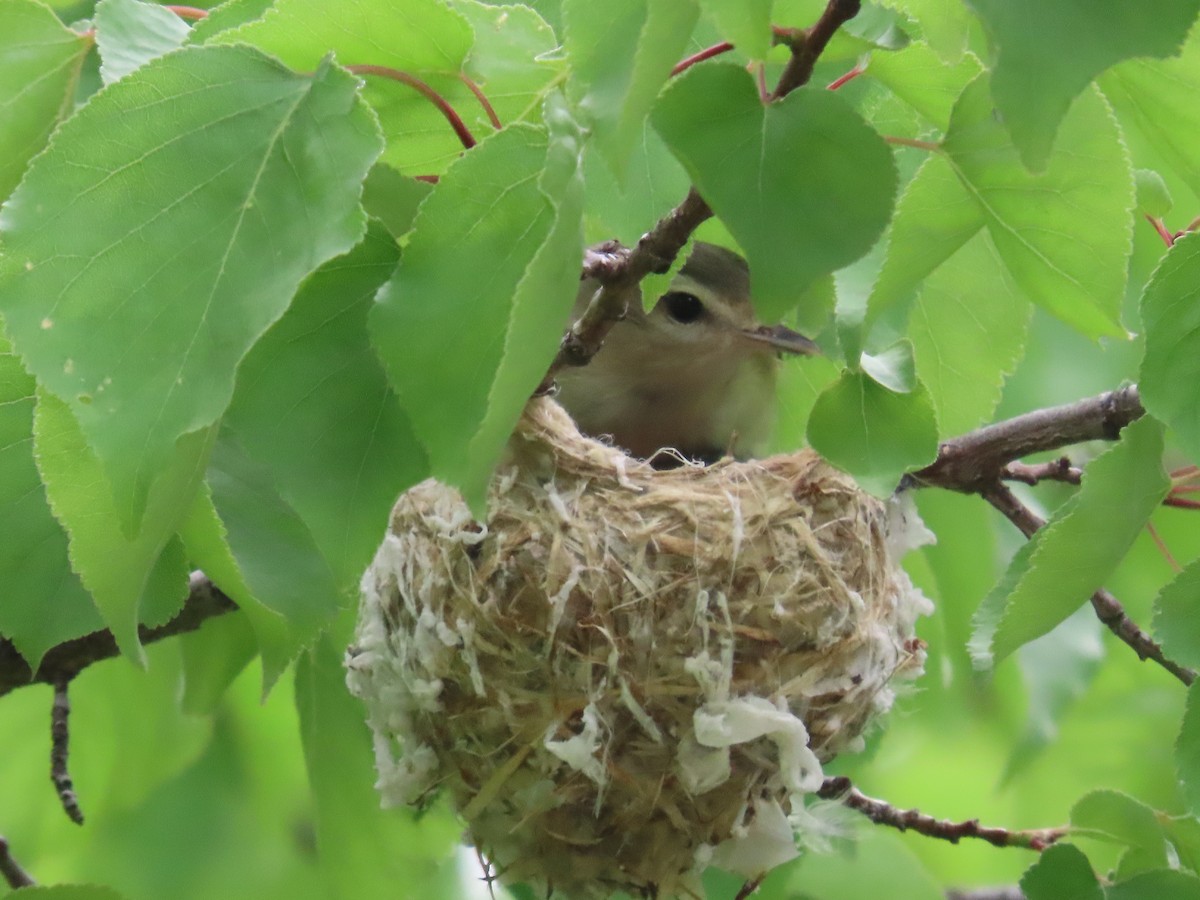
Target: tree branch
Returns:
[974, 461]
[1011, 892]
[65, 661]
[60, 739]
[808, 45]
[883, 813]
[14, 876]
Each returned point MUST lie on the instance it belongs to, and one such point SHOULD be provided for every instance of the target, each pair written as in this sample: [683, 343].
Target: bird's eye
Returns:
[682, 307]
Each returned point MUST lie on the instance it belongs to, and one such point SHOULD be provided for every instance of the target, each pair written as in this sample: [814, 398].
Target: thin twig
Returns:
[60, 741]
[14, 876]
[483, 100]
[443, 106]
[882, 813]
[1057, 470]
[1108, 609]
[189, 12]
[707, 53]
[66, 660]
[808, 45]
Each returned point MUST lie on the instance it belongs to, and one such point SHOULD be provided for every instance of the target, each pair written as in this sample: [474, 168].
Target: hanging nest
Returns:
[625, 674]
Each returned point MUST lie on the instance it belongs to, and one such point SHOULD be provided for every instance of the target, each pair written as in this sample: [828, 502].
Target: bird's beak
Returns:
[783, 339]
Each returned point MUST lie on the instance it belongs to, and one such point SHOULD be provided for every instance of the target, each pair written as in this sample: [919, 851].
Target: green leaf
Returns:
[1164, 884]
[1114, 816]
[935, 216]
[417, 36]
[924, 81]
[213, 657]
[276, 557]
[946, 26]
[130, 33]
[744, 23]
[483, 333]
[1184, 834]
[44, 602]
[621, 54]
[1154, 98]
[115, 568]
[1047, 53]
[1187, 751]
[39, 72]
[1081, 547]
[968, 329]
[654, 183]
[1062, 872]
[1153, 196]
[513, 61]
[313, 404]
[1177, 616]
[365, 851]
[1171, 318]
[992, 608]
[871, 432]
[1065, 234]
[207, 542]
[793, 227]
[393, 198]
[138, 272]
[227, 15]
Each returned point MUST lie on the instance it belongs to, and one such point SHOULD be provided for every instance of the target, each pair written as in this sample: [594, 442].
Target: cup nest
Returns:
[624, 674]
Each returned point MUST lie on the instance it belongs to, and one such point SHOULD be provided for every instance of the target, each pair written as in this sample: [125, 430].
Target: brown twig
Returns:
[1108, 609]
[14, 876]
[882, 813]
[1058, 470]
[189, 12]
[707, 53]
[443, 106]
[975, 461]
[65, 661]
[483, 100]
[60, 741]
[808, 45]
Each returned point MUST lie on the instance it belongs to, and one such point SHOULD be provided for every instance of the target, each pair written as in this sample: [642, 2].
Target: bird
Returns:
[696, 374]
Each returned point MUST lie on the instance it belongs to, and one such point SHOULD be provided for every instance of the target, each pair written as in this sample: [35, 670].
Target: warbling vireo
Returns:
[696, 373]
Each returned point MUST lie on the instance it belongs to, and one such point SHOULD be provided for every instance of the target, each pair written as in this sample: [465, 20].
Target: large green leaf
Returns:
[946, 26]
[130, 33]
[39, 71]
[1164, 884]
[44, 602]
[138, 272]
[794, 225]
[416, 35]
[745, 23]
[1171, 318]
[1177, 617]
[621, 54]
[365, 851]
[1047, 53]
[968, 329]
[1065, 234]
[935, 216]
[1154, 98]
[227, 15]
[920, 78]
[275, 553]
[484, 332]
[1114, 816]
[873, 433]
[1062, 872]
[312, 402]
[1081, 547]
[117, 567]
